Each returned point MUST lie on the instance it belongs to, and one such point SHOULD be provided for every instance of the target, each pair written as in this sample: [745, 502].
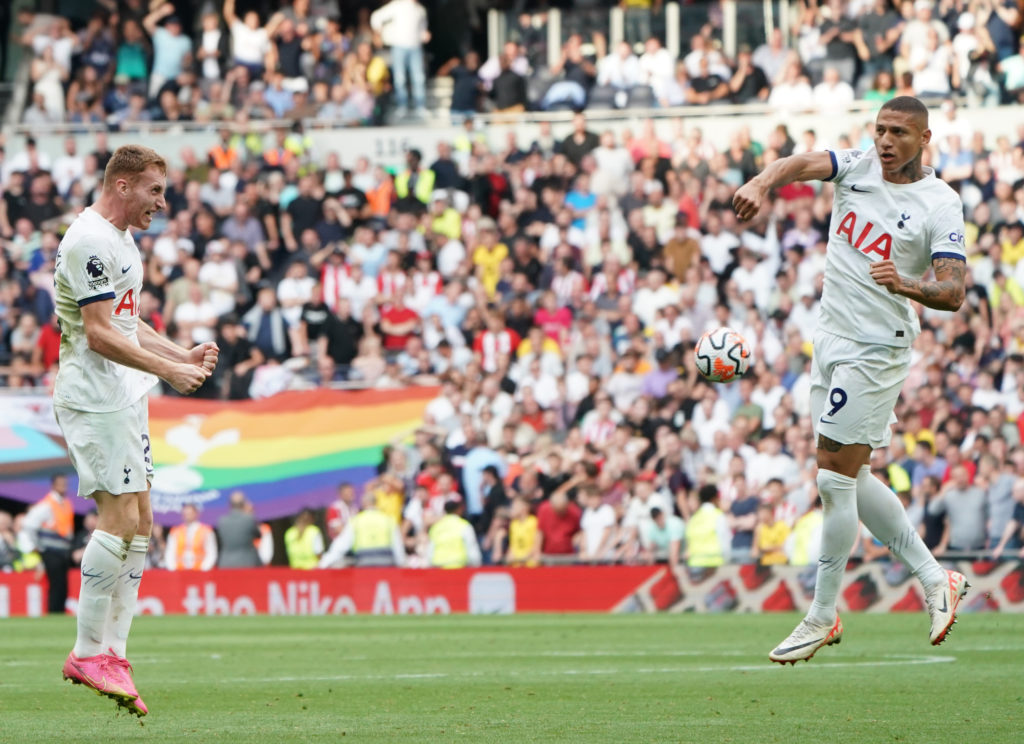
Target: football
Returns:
[722, 355]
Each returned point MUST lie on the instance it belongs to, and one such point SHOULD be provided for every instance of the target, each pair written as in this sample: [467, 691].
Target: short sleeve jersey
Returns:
[874, 220]
[96, 262]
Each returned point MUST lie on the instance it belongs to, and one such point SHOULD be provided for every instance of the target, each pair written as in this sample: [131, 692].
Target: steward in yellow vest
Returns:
[807, 537]
[373, 533]
[705, 532]
[452, 540]
[304, 542]
[415, 181]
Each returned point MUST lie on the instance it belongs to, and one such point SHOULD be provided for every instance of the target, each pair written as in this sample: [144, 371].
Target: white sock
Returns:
[838, 534]
[126, 595]
[101, 565]
[883, 514]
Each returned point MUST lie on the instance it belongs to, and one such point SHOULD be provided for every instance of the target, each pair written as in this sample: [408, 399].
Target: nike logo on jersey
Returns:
[823, 421]
[859, 191]
[125, 269]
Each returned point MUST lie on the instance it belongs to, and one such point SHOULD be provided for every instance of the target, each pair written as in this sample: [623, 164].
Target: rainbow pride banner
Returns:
[284, 452]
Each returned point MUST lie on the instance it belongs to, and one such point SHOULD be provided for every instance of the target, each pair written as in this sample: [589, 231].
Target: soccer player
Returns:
[891, 220]
[108, 363]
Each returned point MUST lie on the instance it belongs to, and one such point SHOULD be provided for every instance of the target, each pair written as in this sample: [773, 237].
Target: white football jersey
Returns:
[873, 220]
[95, 262]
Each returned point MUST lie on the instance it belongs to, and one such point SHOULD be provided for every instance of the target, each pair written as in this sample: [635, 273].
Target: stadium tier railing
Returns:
[388, 145]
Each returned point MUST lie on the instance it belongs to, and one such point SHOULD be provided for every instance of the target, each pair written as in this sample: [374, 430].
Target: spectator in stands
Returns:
[1011, 68]
[749, 82]
[558, 521]
[172, 49]
[621, 70]
[250, 43]
[402, 25]
[658, 68]
[191, 545]
[792, 91]
[238, 532]
[1013, 535]
[509, 90]
[576, 73]
[879, 31]
[266, 326]
[931, 63]
[833, 95]
[467, 84]
[963, 505]
[662, 540]
[771, 56]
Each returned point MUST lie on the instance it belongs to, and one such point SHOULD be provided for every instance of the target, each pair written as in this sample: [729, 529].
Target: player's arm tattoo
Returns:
[945, 292]
[829, 445]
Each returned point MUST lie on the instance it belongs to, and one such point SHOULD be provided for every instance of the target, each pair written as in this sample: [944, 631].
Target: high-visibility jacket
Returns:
[222, 158]
[448, 543]
[190, 554]
[301, 547]
[805, 531]
[57, 531]
[372, 534]
[702, 540]
[424, 188]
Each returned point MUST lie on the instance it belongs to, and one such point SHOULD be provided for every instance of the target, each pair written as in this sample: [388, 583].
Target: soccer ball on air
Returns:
[722, 355]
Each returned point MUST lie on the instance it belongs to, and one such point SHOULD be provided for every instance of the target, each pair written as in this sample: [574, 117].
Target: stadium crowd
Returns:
[306, 62]
[552, 290]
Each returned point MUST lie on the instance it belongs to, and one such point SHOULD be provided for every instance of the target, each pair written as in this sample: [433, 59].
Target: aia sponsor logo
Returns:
[865, 236]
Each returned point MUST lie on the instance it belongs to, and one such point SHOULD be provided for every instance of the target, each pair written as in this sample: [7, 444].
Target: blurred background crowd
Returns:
[551, 289]
[132, 62]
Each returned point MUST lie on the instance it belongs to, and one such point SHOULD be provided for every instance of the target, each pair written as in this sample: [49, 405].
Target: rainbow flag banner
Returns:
[284, 452]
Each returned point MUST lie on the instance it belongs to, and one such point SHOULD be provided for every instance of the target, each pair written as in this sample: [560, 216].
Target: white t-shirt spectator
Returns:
[250, 45]
[658, 70]
[717, 249]
[795, 96]
[201, 316]
[594, 523]
[833, 100]
[221, 277]
[934, 76]
[647, 302]
[293, 293]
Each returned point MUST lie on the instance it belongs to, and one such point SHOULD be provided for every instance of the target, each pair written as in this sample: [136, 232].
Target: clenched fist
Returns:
[205, 355]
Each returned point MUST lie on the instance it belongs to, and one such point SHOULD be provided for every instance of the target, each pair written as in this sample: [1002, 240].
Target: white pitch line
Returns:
[890, 660]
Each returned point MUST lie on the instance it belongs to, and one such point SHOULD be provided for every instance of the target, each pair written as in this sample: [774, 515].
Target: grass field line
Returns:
[887, 660]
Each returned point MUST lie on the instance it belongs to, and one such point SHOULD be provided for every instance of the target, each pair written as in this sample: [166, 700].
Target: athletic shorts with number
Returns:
[110, 451]
[854, 388]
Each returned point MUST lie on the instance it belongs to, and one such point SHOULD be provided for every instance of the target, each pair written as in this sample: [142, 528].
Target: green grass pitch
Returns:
[525, 678]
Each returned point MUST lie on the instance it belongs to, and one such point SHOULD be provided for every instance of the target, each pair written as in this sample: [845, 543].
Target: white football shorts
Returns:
[110, 451]
[854, 389]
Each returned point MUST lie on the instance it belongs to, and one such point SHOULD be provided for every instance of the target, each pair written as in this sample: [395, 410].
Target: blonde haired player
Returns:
[891, 220]
[108, 363]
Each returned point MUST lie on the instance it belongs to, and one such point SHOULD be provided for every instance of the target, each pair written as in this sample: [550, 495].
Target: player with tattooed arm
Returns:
[892, 220]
